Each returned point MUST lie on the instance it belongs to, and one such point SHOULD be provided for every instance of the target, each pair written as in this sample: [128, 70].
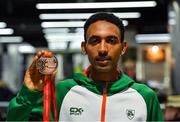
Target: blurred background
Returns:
[152, 32]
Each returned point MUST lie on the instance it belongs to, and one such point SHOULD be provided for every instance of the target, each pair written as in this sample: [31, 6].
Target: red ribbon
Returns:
[49, 94]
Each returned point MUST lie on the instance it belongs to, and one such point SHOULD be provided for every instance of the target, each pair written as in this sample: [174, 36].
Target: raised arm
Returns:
[28, 104]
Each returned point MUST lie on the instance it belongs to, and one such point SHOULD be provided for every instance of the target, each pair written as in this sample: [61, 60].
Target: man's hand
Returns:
[33, 78]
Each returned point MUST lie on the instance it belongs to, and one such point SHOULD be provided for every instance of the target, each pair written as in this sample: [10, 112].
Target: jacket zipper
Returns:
[103, 107]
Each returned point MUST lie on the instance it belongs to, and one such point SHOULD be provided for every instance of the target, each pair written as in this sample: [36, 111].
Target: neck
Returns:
[104, 76]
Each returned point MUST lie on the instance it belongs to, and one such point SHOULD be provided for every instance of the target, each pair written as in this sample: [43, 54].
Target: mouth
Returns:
[103, 61]
[98, 58]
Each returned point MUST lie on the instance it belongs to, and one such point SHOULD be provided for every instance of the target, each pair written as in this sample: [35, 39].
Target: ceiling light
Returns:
[96, 5]
[12, 39]
[85, 15]
[172, 21]
[75, 45]
[62, 30]
[63, 37]
[172, 14]
[79, 30]
[68, 24]
[6, 31]
[57, 45]
[152, 38]
[62, 24]
[125, 22]
[55, 30]
[26, 48]
[3, 24]
[155, 49]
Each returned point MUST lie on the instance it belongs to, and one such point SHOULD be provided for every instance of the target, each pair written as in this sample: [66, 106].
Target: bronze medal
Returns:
[47, 66]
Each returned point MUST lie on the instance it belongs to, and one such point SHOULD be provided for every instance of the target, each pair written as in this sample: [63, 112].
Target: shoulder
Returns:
[144, 90]
[63, 87]
[67, 83]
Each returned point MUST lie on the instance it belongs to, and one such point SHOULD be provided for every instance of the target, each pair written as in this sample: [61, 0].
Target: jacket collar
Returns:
[122, 83]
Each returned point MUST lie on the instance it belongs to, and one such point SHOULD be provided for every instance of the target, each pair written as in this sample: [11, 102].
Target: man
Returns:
[101, 93]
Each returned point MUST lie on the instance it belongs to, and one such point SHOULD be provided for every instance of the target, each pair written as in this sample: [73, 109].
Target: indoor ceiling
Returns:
[23, 17]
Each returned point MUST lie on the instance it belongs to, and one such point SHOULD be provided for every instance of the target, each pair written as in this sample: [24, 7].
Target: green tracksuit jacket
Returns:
[81, 99]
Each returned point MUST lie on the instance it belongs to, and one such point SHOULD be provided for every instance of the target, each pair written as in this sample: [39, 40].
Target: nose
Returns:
[103, 50]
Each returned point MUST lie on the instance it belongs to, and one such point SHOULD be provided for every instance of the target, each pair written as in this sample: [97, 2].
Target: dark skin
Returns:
[103, 48]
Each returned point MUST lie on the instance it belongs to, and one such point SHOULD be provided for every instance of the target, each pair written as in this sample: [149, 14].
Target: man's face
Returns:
[103, 46]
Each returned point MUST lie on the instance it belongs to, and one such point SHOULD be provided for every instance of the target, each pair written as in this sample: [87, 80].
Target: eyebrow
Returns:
[105, 37]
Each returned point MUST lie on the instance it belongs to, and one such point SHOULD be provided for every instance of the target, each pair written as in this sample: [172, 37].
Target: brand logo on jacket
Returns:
[130, 113]
[75, 111]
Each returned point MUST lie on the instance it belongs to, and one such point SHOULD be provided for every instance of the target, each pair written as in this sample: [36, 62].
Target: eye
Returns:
[112, 40]
[94, 40]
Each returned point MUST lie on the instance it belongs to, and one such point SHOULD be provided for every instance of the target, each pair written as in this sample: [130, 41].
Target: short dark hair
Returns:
[107, 16]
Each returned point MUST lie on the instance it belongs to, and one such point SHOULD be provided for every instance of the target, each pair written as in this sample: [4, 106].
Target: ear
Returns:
[83, 47]
[124, 47]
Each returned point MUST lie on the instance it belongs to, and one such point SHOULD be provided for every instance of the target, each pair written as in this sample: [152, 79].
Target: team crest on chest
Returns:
[130, 113]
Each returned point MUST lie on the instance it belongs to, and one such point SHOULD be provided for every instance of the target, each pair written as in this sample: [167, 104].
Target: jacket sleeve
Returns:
[155, 113]
[26, 106]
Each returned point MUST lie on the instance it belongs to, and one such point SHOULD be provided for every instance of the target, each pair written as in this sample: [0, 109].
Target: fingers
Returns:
[44, 53]
[48, 54]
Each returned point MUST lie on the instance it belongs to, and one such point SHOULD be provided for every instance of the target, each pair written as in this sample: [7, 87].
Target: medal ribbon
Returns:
[49, 94]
